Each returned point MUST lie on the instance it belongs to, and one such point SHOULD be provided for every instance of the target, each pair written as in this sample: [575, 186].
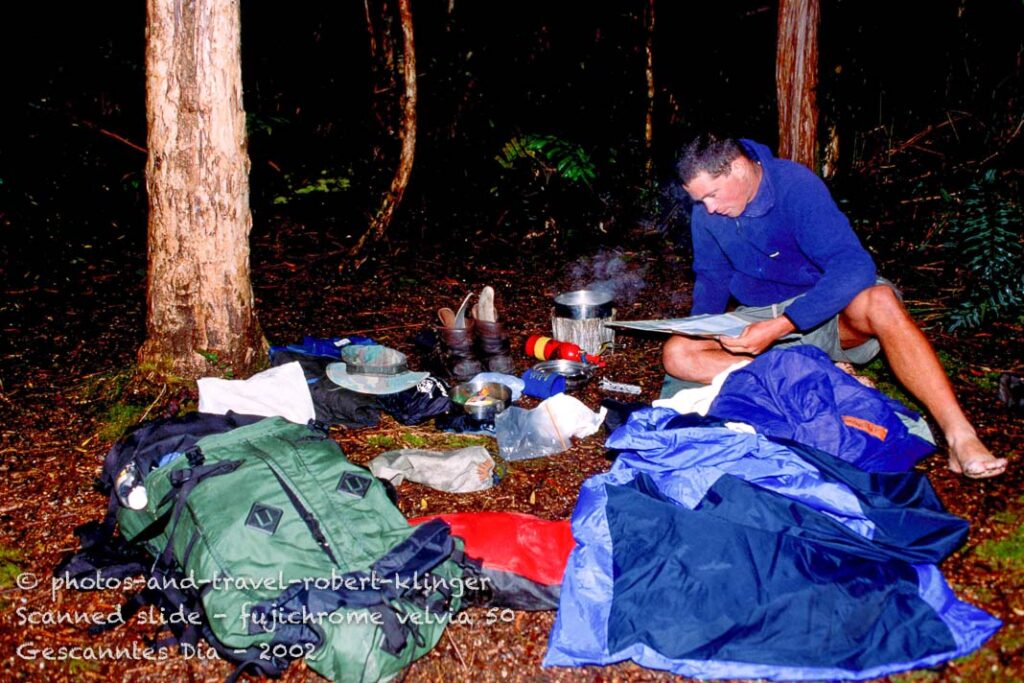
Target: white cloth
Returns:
[698, 400]
[278, 391]
[463, 470]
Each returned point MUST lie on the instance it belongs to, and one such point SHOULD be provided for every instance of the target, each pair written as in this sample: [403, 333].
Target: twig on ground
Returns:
[458, 653]
[163, 389]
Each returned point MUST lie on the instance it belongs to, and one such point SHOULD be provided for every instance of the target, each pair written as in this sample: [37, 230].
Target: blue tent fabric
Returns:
[798, 393]
[717, 554]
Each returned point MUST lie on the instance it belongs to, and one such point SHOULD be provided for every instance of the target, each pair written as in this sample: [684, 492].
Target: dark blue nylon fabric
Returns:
[797, 602]
[797, 393]
[910, 521]
[718, 554]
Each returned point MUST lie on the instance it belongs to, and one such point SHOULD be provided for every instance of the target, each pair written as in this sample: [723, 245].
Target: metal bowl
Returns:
[583, 304]
[482, 400]
[576, 374]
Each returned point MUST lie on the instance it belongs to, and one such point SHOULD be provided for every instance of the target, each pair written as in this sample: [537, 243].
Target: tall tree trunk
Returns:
[649, 123]
[796, 78]
[371, 31]
[381, 221]
[380, 27]
[200, 317]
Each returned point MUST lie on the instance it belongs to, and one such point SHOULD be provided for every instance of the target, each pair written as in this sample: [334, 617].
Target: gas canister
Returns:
[546, 348]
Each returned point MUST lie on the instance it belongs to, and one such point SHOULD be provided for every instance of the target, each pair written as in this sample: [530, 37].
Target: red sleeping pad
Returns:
[523, 556]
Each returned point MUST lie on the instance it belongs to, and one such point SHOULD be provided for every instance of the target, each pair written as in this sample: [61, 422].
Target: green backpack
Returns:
[292, 551]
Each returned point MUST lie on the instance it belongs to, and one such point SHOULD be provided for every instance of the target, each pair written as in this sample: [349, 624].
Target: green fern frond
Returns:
[551, 155]
[987, 243]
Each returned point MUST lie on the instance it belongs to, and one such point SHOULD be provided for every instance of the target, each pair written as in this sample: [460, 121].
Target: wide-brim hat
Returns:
[373, 369]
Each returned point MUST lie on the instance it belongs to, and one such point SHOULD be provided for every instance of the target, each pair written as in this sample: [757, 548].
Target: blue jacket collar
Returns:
[764, 200]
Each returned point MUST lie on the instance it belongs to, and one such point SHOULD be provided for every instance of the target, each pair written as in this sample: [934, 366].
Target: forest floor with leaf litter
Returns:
[70, 338]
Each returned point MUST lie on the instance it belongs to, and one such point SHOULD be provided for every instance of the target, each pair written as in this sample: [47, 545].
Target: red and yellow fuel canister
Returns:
[540, 347]
[546, 348]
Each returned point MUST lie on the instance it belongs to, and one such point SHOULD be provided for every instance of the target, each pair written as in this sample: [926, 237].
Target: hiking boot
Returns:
[458, 355]
[493, 344]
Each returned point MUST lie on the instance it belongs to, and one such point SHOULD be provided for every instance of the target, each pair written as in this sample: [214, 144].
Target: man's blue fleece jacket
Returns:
[791, 239]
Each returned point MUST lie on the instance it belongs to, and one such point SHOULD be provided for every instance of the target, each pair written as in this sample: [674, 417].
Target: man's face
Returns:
[727, 194]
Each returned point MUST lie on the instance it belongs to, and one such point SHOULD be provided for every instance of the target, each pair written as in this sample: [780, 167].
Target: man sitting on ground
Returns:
[767, 233]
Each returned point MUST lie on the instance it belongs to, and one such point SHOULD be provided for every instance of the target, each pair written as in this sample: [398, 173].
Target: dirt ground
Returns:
[68, 336]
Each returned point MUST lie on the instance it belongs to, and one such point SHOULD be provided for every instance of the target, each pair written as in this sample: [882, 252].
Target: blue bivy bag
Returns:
[713, 553]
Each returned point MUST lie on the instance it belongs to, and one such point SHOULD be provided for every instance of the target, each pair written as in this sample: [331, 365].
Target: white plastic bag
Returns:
[547, 429]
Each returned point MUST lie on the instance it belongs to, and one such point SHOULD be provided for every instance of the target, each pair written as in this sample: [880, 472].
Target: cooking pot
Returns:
[583, 304]
[482, 400]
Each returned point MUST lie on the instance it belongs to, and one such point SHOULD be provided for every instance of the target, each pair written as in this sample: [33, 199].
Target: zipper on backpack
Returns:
[308, 518]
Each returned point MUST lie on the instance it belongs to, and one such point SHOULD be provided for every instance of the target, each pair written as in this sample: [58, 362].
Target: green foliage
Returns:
[424, 439]
[214, 358]
[326, 183]
[118, 400]
[82, 667]
[544, 190]
[414, 440]
[454, 441]
[118, 420]
[106, 387]
[548, 156]
[381, 441]
[117, 407]
[986, 238]
[1008, 553]
[256, 124]
[9, 566]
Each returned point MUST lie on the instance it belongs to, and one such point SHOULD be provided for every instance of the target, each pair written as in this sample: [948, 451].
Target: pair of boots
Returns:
[470, 345]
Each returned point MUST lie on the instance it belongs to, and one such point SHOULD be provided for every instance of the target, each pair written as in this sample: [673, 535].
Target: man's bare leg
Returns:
[696, 360]
[877, 312]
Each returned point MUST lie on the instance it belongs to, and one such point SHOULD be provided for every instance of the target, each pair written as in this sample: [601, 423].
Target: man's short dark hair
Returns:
[708, 153]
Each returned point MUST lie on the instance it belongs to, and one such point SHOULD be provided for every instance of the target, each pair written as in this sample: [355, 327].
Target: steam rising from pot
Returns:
[612, 272]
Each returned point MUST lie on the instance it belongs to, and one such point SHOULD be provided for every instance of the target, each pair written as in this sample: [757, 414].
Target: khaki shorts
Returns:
[825, 336]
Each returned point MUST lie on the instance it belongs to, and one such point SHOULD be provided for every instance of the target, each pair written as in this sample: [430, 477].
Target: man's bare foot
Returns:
[969, 457]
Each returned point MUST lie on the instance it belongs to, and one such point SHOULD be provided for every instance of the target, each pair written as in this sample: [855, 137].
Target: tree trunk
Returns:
[796, 78]
[200, 317]
[383, 79]
[649, 123]
[370, 30]
[379, 224]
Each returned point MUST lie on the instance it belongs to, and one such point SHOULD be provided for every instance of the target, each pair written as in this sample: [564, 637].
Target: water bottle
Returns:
[129, 488]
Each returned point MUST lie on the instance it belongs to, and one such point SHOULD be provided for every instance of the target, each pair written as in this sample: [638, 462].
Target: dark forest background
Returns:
[923, 97]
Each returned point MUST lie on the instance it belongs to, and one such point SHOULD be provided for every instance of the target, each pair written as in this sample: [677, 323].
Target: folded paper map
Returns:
[708, 325]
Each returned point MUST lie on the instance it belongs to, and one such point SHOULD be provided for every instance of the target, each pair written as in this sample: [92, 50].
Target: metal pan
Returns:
[576, 374]
[583, 304]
